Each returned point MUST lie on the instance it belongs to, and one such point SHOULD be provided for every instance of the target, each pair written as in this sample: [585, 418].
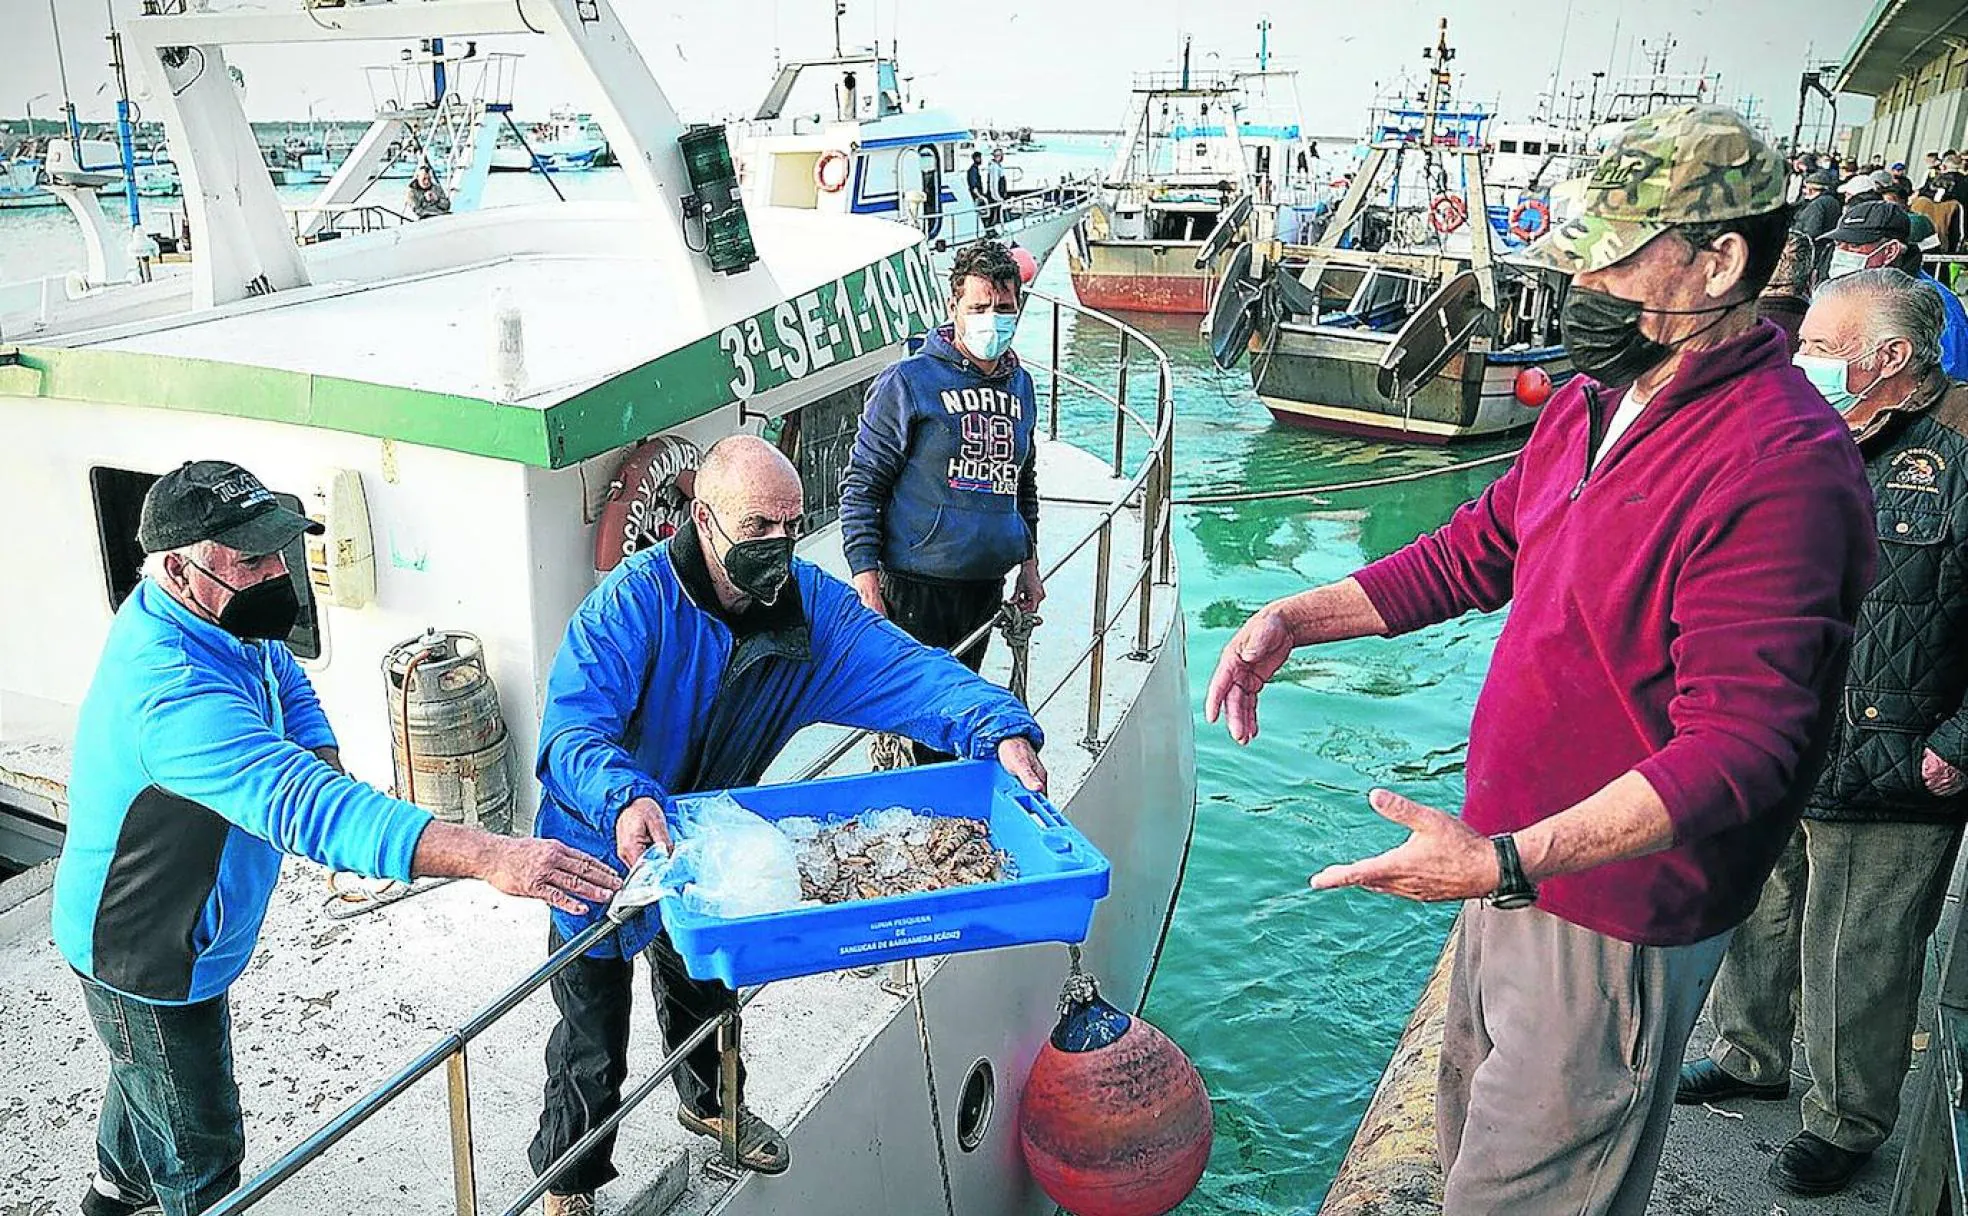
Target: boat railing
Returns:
[1016, 213]
[1146, 490]
[342, 219]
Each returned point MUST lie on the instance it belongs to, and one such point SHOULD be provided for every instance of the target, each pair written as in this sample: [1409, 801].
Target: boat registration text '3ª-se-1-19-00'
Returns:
[862, 311]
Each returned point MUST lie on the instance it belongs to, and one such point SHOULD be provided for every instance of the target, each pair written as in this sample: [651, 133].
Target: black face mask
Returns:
[1602, 335]
[759, 568]
[265, 611]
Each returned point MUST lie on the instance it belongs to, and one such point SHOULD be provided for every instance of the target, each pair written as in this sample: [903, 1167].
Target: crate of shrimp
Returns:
[778, 881]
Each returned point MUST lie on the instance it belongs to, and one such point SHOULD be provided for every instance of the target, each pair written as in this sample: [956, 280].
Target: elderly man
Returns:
[425, 197]
[1845, 917]
[201, 756]
[687, 669]
[1875, 234]
[1818, 213]
[1684, 543]
[940, 500]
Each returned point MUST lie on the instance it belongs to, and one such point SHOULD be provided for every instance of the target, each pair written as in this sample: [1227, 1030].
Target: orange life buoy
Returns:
[1529, 207]
[647, 501]
[830, 174]
[1447, 213]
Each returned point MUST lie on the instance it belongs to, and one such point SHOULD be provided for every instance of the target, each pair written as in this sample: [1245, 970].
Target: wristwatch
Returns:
[1513, 889]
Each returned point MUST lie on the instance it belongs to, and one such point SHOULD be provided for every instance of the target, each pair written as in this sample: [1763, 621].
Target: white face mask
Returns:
[1830, 376]
[987, 334]
[1844, 262]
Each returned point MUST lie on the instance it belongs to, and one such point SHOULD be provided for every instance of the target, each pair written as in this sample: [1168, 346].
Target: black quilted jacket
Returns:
[1909, 666]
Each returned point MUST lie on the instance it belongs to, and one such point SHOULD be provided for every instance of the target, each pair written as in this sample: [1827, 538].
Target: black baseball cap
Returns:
[1827, 178]
[217, 500]
[1871, 222]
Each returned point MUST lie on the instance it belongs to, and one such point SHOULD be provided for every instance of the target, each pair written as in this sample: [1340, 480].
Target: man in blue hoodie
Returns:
[201, 758]
[687, 669]
[941, 499]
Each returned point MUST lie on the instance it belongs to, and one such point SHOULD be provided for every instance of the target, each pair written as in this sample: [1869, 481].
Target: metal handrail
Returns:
[1151, 482]
[1016, 211]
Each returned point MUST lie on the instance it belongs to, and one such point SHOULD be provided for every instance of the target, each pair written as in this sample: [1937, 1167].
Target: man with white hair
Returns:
[689, 668]
[201, 758]
[1845, 916]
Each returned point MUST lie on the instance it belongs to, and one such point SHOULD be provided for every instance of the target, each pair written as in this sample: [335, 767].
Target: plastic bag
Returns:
[729, 862]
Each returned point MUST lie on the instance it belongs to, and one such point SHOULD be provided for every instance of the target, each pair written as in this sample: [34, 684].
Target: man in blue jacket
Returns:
[201, 757]
[1878, 233]
[689, 668]
[940, 499]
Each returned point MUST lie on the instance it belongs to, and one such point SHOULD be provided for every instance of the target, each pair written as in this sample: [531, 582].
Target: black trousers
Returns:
[588, 1053]
[942, 614]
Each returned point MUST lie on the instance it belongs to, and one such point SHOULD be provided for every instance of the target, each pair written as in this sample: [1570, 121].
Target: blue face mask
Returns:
[988, 334]
[1829, 377]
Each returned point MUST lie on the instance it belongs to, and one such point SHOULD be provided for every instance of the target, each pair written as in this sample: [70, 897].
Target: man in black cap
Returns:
[1817, 214]
[201, 757]
[1878, 233]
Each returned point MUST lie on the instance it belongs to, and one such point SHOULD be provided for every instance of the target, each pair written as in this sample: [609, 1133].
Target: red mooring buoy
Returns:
[1114, 1120]
[1028, 266]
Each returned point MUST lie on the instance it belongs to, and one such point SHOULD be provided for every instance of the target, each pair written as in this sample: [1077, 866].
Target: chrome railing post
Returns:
[1120, 412]
[1165, 422]
[1097, 671]
[464, 1175]
[1052, 426]
[728, 1104]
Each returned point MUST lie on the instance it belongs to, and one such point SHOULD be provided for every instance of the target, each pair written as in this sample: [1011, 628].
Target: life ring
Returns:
[1529, 207]
[648, 499]
[1447, 213]
[830, 174]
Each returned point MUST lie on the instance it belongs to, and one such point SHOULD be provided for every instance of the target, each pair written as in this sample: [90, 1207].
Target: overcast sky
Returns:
[1048, 62]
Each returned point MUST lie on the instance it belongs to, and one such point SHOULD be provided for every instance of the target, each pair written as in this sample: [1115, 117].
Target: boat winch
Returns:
[448, 741]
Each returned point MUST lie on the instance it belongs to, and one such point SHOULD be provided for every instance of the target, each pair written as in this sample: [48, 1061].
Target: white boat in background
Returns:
[568, 142]
[460, 401]
[842, 136]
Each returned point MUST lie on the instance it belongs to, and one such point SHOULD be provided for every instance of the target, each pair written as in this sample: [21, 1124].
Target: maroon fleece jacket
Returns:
[1683, 611]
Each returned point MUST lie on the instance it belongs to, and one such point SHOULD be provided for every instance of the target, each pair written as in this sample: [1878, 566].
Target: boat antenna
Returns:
[1264, 43]
[840, 10]
[68, 98]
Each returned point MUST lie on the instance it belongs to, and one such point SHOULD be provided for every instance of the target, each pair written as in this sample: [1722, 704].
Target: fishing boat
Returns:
[485, 410]
[842, 135]
[1194, 169]
[1411, 260]
[567, 142]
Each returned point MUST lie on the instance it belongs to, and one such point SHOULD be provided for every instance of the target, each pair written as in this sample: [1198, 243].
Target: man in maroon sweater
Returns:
[1684, 541]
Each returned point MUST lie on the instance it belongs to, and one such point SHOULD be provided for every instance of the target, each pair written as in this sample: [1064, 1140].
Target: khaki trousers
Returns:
[1559, 1059]
[1838, 936]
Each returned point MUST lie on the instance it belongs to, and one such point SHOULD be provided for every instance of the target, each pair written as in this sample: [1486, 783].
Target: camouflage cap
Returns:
[1684, 165]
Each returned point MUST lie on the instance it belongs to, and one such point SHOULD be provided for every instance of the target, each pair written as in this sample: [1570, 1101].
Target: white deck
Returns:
[327, 1010]
[412, 307]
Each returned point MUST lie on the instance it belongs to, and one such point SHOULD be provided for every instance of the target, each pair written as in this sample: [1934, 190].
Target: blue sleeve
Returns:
[881, 448]
[300, 709]
[593, 692]
[203, 740]
[876, 677]
[1028, 477]
[1954, 336]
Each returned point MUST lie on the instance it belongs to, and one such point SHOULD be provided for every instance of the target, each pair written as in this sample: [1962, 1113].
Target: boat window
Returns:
[1506, 145]
[119, 494]
[878, 175]
[1532, 147]
[817, 438]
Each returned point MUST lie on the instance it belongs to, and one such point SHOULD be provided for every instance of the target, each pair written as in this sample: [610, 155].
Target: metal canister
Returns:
[448, 742]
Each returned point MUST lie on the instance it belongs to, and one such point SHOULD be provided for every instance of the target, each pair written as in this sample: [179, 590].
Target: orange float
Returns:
[1114, 1120]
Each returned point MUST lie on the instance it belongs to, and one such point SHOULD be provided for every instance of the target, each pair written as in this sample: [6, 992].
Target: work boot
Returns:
[105, 1198]
[581, 1203]
[1704, 1081]
[1812, 1165]
[761, 1149]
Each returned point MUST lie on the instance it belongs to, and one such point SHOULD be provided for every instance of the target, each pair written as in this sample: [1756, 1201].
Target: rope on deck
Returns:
[1202, 500]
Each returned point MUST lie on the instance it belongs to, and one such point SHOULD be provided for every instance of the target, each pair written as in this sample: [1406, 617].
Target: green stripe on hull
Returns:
[864, 310]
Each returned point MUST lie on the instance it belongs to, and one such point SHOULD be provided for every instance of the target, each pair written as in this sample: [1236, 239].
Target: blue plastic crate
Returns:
[1060, 877]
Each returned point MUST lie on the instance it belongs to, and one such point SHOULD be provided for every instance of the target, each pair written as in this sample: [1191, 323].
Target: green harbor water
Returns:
[1290, 1000]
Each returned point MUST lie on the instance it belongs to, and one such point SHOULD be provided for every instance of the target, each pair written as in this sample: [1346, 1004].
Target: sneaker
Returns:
[581, 1203]
[761, 1149]
[105, 1198]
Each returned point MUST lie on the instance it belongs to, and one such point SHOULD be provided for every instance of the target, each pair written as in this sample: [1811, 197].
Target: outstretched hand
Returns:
[1021, 760]
[1252, 658]
[548, 870]
[639, 828]
[1443, 858]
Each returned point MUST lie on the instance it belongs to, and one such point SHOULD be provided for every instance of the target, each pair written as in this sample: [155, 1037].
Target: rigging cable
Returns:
[929, 1079]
